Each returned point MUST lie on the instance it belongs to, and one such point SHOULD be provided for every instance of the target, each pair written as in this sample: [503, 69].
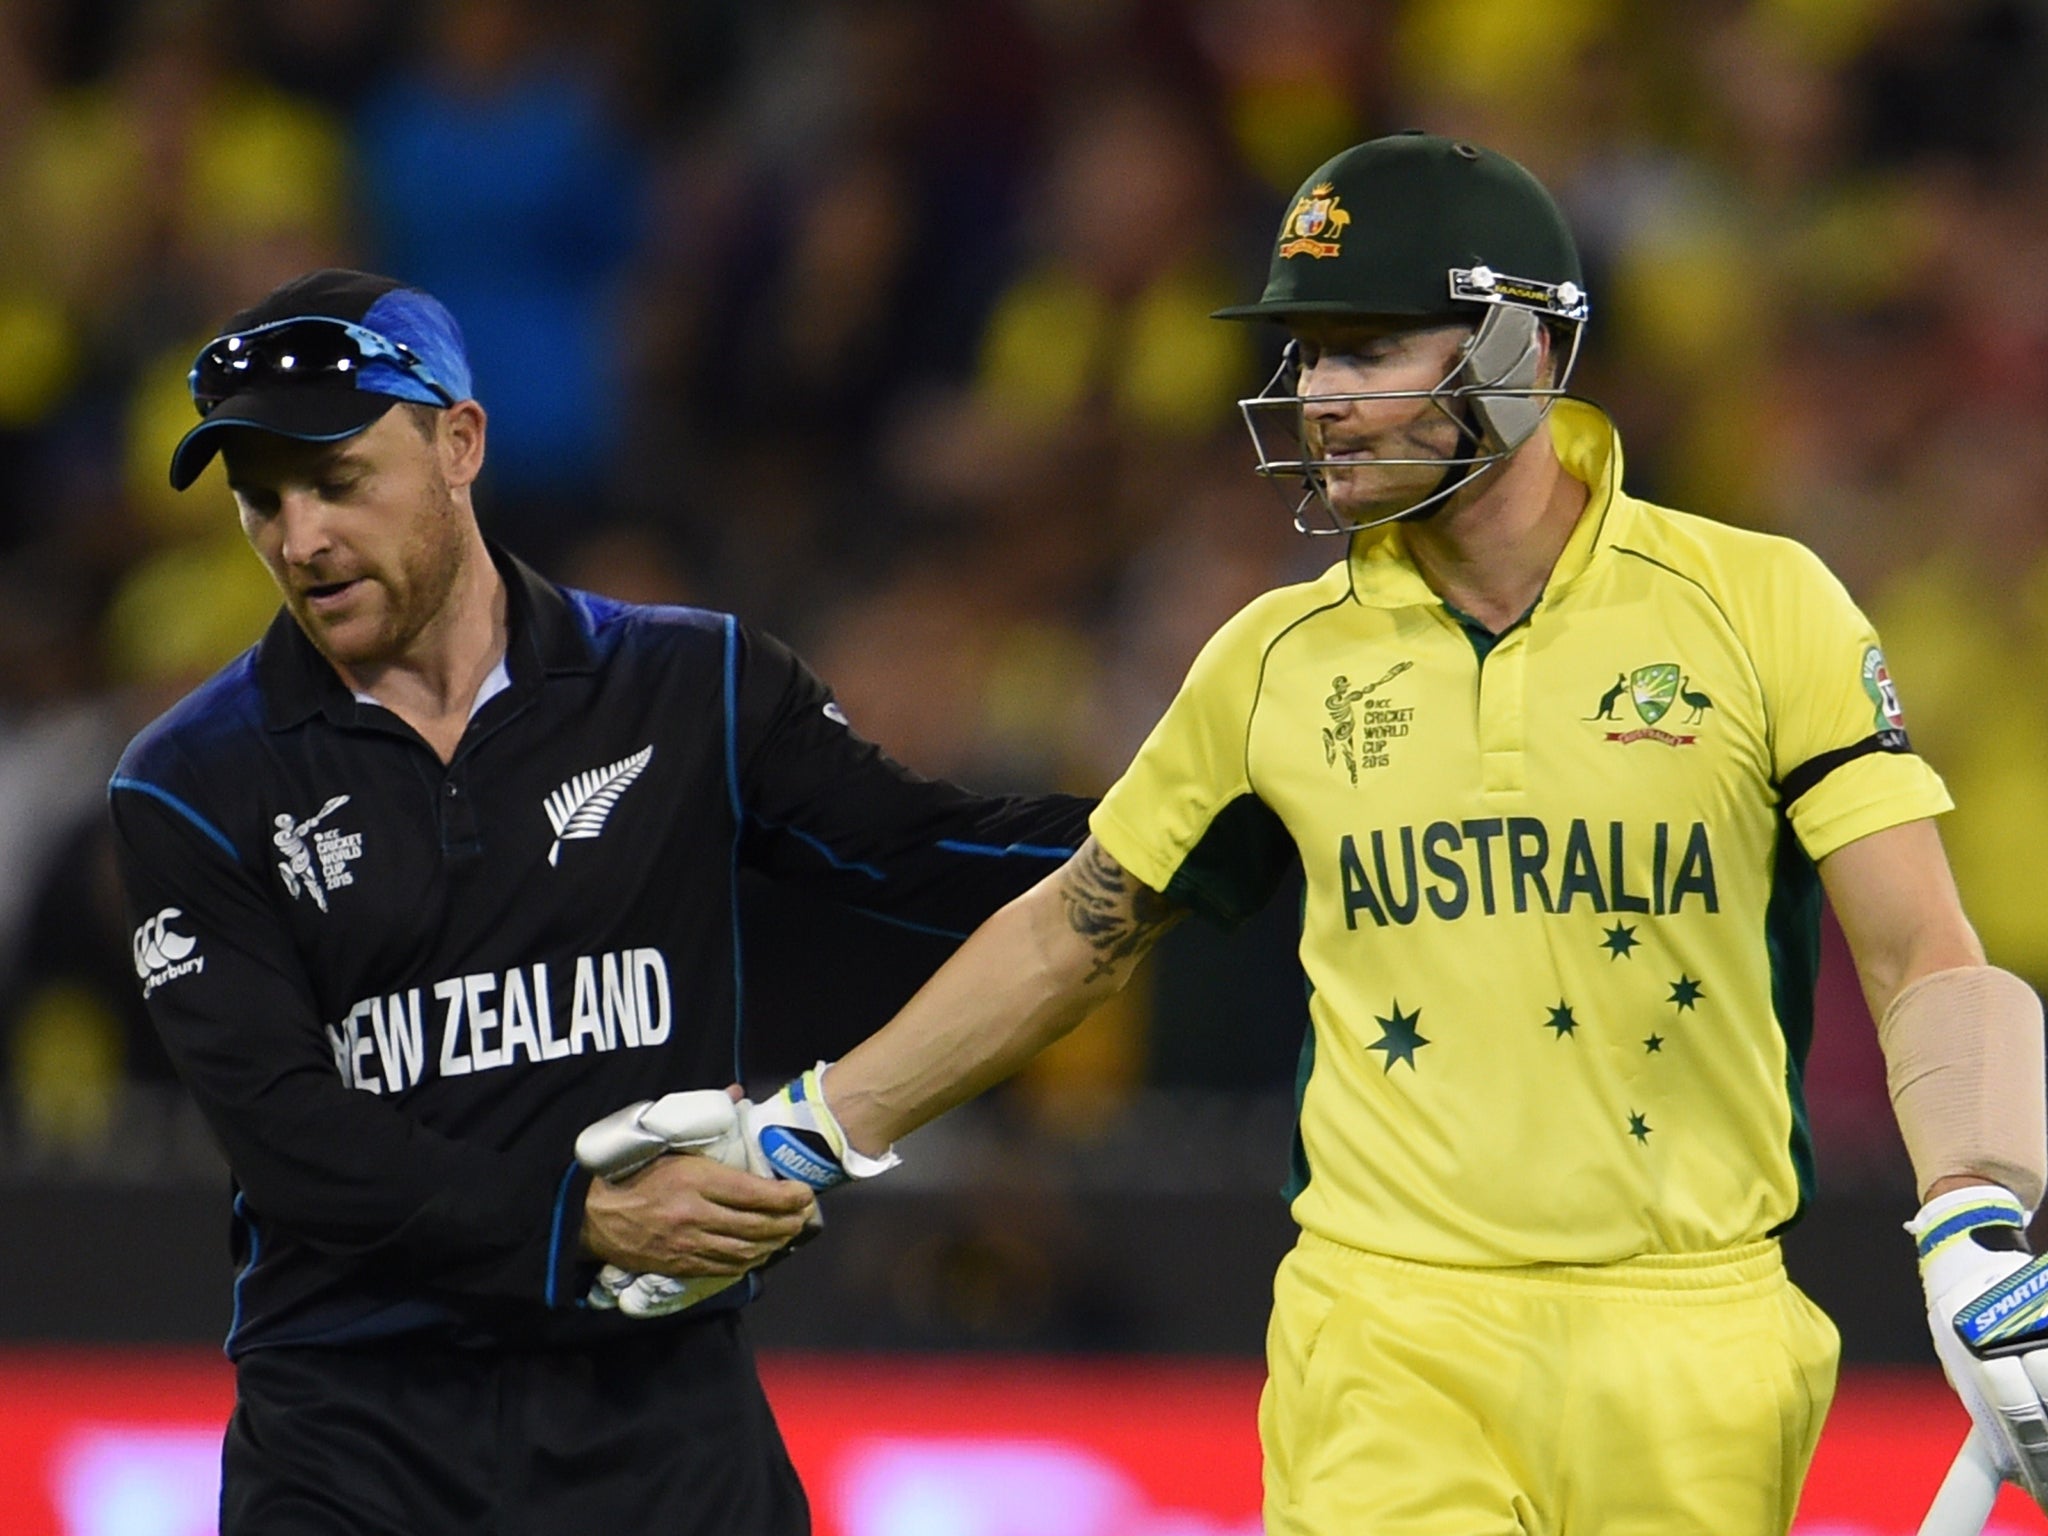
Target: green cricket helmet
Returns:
[1436, 231]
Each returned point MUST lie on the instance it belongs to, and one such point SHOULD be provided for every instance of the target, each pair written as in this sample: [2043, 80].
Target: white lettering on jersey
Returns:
[484, 1054]
[650, 995]
[450, 992]
[518, 1014]
[621, 1022]
[551, 1048]
[584, 1022]
[163, 955]
[401, 1042]
[360, 1045]
[620, 1000]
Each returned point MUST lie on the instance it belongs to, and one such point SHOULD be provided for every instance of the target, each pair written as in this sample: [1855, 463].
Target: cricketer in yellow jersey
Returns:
[1567, 774]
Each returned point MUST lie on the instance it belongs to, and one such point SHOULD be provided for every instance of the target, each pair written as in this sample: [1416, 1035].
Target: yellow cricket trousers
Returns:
[1659, 1396]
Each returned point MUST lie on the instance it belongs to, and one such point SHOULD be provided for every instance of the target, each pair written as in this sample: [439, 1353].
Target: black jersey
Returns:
[399, 988]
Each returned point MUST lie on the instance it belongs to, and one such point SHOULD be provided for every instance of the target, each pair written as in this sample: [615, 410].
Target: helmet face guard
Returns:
[1490, 394]
[1418, 230]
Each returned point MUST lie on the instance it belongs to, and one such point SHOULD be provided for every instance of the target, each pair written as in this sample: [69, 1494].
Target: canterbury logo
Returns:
[157, 948]
[579, 808]
[162, 955]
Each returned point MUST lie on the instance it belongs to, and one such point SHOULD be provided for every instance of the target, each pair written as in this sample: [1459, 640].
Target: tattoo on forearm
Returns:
[1120, 917]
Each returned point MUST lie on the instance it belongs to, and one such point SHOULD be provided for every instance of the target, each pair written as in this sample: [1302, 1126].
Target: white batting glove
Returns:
[795, 1135]
[702, 1121]
[1987, 1306]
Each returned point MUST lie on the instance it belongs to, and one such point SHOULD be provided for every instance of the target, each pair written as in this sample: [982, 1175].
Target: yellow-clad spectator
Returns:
[171, 154]
[1967, 639]
[1115, 313]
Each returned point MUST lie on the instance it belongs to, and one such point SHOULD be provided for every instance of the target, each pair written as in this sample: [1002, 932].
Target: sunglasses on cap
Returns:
[306, 352]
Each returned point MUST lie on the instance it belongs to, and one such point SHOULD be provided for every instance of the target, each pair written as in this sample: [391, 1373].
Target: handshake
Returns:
[792, 1135]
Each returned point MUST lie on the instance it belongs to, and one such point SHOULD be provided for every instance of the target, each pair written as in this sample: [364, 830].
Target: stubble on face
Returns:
[381, 580]
[1371, 487]
[408, 586]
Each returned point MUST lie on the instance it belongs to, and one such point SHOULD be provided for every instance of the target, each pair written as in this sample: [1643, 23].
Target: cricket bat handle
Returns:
[1963, 1504]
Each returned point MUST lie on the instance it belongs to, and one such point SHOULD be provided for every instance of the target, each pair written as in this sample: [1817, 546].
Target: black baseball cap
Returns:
[320, 359]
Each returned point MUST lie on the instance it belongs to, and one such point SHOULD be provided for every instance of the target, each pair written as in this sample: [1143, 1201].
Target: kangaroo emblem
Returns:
[1698, 703]
[1611, 698]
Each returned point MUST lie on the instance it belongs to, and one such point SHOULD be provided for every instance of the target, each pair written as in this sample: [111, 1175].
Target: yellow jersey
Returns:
[1562, 915]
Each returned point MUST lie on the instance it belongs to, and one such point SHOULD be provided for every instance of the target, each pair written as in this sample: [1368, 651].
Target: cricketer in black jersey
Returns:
[398, 989]
[444, 869]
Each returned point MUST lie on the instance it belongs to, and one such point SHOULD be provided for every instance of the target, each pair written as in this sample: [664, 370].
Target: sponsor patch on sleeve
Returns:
[1877, 682]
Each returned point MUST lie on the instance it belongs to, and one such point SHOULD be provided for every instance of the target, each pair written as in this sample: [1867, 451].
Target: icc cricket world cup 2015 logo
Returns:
[316, 870]
[1361, 725]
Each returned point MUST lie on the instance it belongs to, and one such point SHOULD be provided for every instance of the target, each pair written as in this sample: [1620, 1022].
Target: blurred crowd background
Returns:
[883, 324]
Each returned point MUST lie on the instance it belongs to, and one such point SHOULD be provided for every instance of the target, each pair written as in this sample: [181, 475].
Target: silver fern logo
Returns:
[578, 809]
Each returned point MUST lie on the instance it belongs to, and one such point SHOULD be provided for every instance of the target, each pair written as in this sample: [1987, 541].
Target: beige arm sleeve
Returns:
[1963, 1060]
